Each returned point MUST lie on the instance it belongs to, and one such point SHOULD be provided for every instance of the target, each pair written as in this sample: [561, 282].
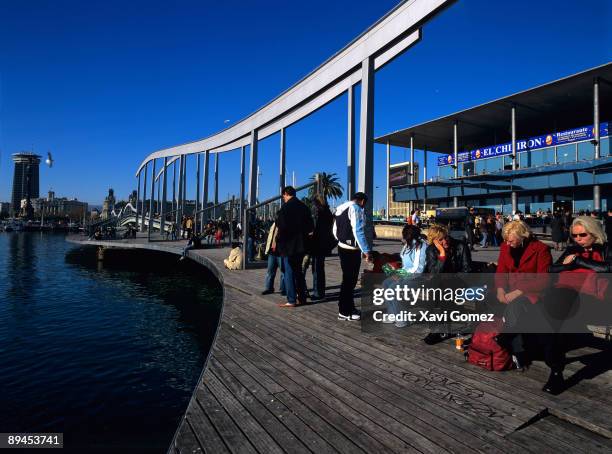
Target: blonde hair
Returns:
[591, 226]
[519, 228]
[436, 232]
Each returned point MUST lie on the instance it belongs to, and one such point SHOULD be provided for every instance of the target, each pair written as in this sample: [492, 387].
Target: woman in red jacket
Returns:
[521, 277]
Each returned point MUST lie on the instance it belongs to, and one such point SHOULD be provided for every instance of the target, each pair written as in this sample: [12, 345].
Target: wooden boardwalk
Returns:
[298, 380]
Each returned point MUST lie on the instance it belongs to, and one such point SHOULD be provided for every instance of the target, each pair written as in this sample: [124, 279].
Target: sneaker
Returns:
[519, 360]
[434, 338]
[555, 384]
[355, 316]
[267, 292]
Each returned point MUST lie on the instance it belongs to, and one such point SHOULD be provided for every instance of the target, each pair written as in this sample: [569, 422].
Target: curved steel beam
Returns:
[385, 40]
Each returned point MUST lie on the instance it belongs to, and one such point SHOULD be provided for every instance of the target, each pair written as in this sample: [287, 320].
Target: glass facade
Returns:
[566, 153]
[543, 157]
[489, 165]
[586, 151]
[604, 148]
[489, 182]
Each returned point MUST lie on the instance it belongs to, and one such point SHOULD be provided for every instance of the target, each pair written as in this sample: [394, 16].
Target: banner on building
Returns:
[533, 143]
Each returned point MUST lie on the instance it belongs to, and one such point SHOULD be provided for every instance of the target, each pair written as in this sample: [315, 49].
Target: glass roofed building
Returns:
[544, 148]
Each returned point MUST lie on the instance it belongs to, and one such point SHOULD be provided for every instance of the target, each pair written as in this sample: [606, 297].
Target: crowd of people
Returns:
[520, 299]
[299, 236]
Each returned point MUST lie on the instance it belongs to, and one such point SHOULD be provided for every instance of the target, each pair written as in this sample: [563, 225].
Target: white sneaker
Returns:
[355, 316]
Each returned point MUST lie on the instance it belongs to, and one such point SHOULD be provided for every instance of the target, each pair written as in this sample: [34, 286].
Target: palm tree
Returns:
[329, 184]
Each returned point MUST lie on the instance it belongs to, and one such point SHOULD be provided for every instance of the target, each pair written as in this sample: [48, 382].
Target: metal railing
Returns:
[226, 211]
[112, 221]
[250, 215]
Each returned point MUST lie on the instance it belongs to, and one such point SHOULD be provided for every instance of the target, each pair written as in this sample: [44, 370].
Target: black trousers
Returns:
[350, 262]
[551, 344]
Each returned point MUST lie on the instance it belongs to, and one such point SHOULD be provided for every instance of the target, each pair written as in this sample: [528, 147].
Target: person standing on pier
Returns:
[295, 224]
[349, 230]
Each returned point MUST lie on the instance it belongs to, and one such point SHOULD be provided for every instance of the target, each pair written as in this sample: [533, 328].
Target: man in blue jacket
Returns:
[349, 230]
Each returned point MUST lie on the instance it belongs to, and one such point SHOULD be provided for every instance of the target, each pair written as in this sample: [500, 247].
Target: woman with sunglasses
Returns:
[589, 249]
[587, 253]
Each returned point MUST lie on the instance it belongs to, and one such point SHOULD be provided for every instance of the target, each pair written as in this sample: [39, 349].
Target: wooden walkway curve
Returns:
[298, 380]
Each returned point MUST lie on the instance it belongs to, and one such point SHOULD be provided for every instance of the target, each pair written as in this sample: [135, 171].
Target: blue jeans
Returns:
[294, 279]
[250, 249]
[274, 262]
[318, 276]
[485, 235]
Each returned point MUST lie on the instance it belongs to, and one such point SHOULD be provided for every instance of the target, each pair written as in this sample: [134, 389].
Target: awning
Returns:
[563, 104]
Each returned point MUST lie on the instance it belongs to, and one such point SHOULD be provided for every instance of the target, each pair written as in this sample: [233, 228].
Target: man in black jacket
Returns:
[295, 224]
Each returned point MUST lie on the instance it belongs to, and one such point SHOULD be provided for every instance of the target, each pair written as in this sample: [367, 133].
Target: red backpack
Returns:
[484, 351]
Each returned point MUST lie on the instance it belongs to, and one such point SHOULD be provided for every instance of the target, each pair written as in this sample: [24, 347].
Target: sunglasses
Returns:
[581, 235]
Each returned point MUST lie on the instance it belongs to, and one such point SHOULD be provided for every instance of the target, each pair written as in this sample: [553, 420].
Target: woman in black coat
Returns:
[557, 227]
[323, 242]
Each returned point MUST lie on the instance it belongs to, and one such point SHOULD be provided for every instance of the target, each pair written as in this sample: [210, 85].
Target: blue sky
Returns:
[103, 84]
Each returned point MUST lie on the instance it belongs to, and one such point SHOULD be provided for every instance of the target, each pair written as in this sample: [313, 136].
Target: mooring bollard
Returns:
[100, 253]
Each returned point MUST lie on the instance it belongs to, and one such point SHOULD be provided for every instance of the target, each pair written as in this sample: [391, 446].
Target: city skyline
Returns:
[101, 94]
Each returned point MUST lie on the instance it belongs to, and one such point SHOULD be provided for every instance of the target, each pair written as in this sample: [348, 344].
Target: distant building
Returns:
[25, 180]
[52, 206]
[5, 208]
[109, 204]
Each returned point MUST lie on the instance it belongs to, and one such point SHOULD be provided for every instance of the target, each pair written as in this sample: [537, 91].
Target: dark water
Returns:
[107, 355]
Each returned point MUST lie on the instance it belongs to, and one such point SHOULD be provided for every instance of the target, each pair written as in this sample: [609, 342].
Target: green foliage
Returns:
[330, 184]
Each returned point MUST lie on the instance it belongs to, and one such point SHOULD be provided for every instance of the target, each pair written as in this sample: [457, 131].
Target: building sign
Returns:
[533, 143]
[399, 175]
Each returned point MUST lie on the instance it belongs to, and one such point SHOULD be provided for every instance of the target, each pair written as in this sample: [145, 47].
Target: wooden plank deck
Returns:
[298, 380]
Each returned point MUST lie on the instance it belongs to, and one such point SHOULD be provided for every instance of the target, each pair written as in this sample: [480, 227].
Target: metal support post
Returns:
[388, 180]
[174, 204]
[366, 141]
[231, 222]
[350, 158]
[144, 198]
[596, 133]
[184, 199]
[205, 186]
[253, 169]
[162, 211]
[283, 164]
[412, 175]
[216, 186]
[245, 238]
[152, 203]
[138, 198]
[425, 177]
[514, 200]
[179, 201]
[455, 149]
[197, 201]
[242, 164]
[513, 133]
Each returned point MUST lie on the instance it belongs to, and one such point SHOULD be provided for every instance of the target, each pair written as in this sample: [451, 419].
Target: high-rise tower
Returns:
[25, 179]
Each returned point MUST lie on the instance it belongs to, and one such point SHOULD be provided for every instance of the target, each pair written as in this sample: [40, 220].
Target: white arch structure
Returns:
[356, 63]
